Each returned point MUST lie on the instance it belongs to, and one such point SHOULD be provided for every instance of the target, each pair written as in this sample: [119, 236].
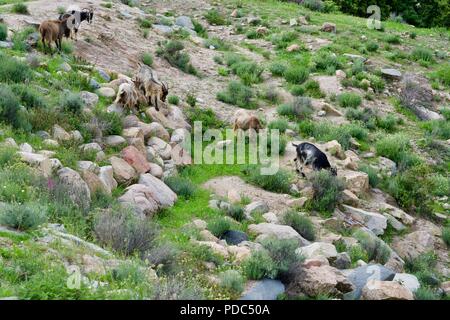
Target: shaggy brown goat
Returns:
[245, 121]
[154, 89]
[130, 97]
[53, 31]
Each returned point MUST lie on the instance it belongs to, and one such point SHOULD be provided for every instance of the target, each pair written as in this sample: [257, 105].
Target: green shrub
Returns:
[147, 59]
[124, 232]
[128, 272]
[422, 54]
[11, 111]
[200, 29]
[279, 182]
[443, 74]
[282, 40]
[327, 191]
[19, 39]
[282, 142]
[217, 43]
[300, 109]
[206, 116]
[392, 39]
[349, 100]
[22, 216]
[12, 70]
[387, 123]
[183, 187]
[173, 100]
[248, 71]
[232, 280]
[8, 156]
[376, 249]
[71, 103]
[374, 180]
[356, 253]
[238, 94]
[282, 253]
[312, 89]
[29, 97]
[446, 235]
[259, 265]
[236, 212]
[279, 124]
[424, 268]
[111, 122]
[372, 46]
[425, 293]
[219, 226]
[214, 17]
[278, 69]
[172, 51]
[393, 147]
[3, 31]
[296, 75]
[301, 224]
[438, 128]
[205, 253]
[20, 8]
[326, 61]
[297, 90]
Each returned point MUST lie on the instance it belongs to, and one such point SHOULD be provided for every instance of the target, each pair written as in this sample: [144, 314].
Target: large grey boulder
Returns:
[77, 190]
[265, 289]
[316, 249]
[359, 277]
[160, 192]
[375, 222]
[185, 22]
[281, 232]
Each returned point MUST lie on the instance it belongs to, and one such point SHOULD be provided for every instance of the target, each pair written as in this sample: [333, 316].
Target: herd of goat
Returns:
[146, 89]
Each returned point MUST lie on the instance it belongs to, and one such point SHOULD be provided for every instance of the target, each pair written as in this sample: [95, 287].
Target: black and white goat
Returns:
[75, 16]
[309, 154]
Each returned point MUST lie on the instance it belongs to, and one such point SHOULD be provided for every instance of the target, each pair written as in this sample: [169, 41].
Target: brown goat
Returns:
[53, 31]
[155, 90]
[130, 97]
[244, 120]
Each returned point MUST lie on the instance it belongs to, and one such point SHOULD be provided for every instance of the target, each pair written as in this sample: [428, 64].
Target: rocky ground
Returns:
[216, 226]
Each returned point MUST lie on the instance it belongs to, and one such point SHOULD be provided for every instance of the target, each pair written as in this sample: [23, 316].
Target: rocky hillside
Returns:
[97, 202]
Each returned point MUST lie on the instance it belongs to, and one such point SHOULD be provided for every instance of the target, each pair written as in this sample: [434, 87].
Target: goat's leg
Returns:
[76, 34]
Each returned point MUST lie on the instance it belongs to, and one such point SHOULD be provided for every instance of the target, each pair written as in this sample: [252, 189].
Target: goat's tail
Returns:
[295, 145]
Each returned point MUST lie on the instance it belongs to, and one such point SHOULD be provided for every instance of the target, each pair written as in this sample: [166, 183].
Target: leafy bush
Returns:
[238, 94]
[175, 100]
[282, 40]
[172, 51]
[326, 61]
[278, 69]
[7, 156]
[282, 142]
[422, 54]
[22, 217]
[12, 70]
[372, 46]
[282, 252]
[300, 109]
[110, 122]
[183, 187]
[29, 97]
[279, 124]
[200, 29]
[349, 100]
[214, 17]
[147, 59]
[443, 74]
[217, 43]
[424, 268]
[71, 103]
[327, 191]
[301, 224]
[392, 39]
[376, 249]
[164, 257]
[425, 293]
[128, 272]
[219, 226]
[372, 173]
[249, 71]
[3, 32]
[438, 128]
[297, 90]
[236, 212]
[393, 147]
[232, 280]
[279, 182]
[206, 116]
[387, 123]
[20, 8]
[312, 89]
[11, 111]
[296, 74]
[205, 253]
[446, 235]
[356, 253]
[177, 288]
[124, 232]
[259, 265]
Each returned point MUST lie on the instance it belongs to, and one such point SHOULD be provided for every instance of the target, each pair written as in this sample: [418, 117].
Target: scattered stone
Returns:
[123, 172]
[266, 289]
[184, 21]
[93, 182]
[89, 166]
[385, 290]
[256, 207]
[163, 149]
[413, 244]
[136, 159]
[162, 29]
[234, 237]
[316, 249]
[25, 147]
[343, 261]
[410, 281]
[106, 92]
[350, 198]
[89, 99]
[106, 176]
[328, 27]
[359, 277]
[271, 217]
[77, 190]
[163, 195]
[357, 182]
[372, 220]
[318, 281]
[115, 141]
[156, 170]
[391, 73]
[65, 67]
[60, 134]
[293, 48]
[267, 230]
[335, 149]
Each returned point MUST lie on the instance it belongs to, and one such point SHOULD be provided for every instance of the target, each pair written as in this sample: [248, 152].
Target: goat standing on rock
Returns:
[154, 90]
[309, 154]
